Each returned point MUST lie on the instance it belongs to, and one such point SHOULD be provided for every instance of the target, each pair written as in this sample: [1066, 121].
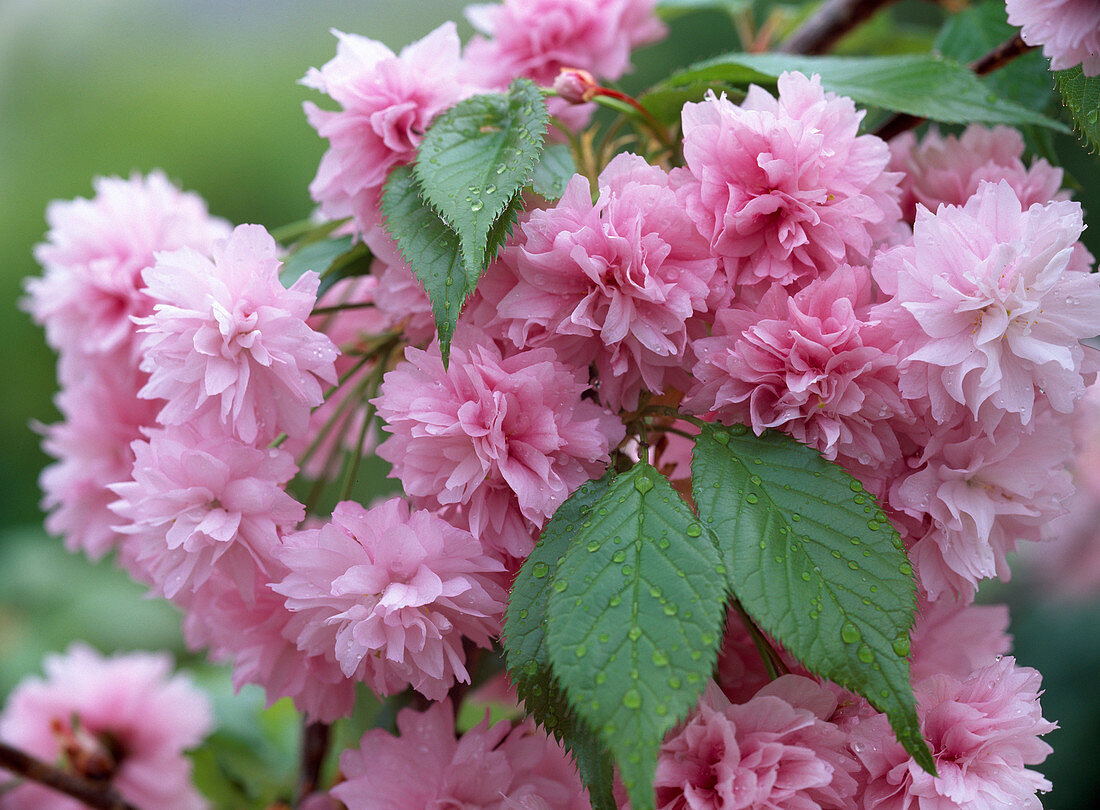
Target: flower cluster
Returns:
[913, 311]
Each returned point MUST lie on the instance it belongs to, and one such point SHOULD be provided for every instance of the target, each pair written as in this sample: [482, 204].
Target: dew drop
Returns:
[694, 530]
[655, 592]
[619, 556]
[873, 525]
[720, 569]
[906, 569]
[855, 486]
[490, 189]
[674, 682]
[722, 438]
[859, 499]
[581, 651]
[660, 658]
[738, 430]
[796, 517]
[663, 543]
[660, 710]
[763, 544]
[539, 570]
[628, 570]
[561, 585]
[849, 633]
[594, 545]
[634, 633]
[604, 638]
[806, 577]
[752, 497]
[523, 613]
[865, 654]
[614, 601]
[643, 483]
[501, 168]
[853, 565]
[476, 206]
[632, 699]
[601, 677]
[671, 609]
[755, 479]
[901, 645]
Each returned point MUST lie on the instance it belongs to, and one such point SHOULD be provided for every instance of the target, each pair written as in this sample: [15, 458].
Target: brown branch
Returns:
[832, 20]
[100, 797]
[315, 741]
[982, 66]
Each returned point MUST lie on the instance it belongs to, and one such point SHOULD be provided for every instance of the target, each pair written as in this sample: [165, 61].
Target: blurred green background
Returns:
[206, 90]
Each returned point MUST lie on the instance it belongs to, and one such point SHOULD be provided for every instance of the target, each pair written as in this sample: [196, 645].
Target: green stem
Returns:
[355, 456]
[773, 662]
[632, 108]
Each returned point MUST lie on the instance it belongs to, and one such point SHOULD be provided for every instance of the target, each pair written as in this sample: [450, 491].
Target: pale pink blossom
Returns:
[979, 494]
[96, 250]
[497, 433]
[785, 188]
[198, 502]
[102, 415]
[401, 296]
[947, 169]
[814, 365]
[776, 751]
[536, 39]
[991, 301]
[387, 103]
[392, 595]
[1068, 30]
[487, 768]
[983, 731]
[256, 634]
[124, 720]
[617, 283]
[227, 337]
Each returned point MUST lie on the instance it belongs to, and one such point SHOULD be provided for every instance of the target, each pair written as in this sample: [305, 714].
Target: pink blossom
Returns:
[616, 283]
[777, 751]
[1068, 30]
[537, 38]
[740, 672]
[953, 638]
[947, 169]
[95, 252]
[388, 101]
[401, 296]
[102, 415]
[979, 494]
[991, 301]
[498, 434]
[497, 768]
[226, 337]
[983, 730]
[124, 719]
[199, 502]
[784, 189]
[392, 595]
[256, 633]
[814, 365]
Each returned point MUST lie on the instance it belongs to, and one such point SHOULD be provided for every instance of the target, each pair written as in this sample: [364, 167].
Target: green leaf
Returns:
[333, 259]
[671, 9]
[526, 651]
[979, 29]
[815, 562]
[1081, 94]
[635, 620]
[432, 250]
[474, 159]
[554, 171]
[925, 86]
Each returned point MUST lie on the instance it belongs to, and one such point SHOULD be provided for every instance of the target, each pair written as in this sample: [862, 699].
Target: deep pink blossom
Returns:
[537, 38]
[1068, 30]
[814, 365]
[124, 719]
[256, 634]
[776, 751]
[227, 337]
[392, 595]
[979, 494]
[497, 768]
[983, 731]
[495, 433]
[785, 188]
[616, 283]
[947, 169]
[200, 501]
[95, 252]
[991, 301]
[387, 103]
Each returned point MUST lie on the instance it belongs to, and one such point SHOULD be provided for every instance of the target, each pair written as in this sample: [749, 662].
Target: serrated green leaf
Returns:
[1081, 95]
[815, 562]
[432, 250]
[554, 171]
[635, 620]
[526, 650]
[925, 86]
[474, 159]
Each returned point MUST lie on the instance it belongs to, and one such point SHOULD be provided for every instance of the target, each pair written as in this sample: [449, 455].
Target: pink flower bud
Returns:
[575, 85]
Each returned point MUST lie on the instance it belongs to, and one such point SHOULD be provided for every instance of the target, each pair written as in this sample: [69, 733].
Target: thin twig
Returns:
[984, 65]
[315, 741]
[832, 20]
[99, 797]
